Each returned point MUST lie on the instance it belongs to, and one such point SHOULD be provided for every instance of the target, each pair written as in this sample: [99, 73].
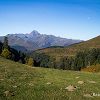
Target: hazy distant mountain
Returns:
[35, 40]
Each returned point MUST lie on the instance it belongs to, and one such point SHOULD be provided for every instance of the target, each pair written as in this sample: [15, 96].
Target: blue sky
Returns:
[77, 19]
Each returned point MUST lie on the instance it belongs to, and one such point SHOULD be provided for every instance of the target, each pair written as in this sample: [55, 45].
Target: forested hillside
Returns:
[72, 49]
[74, 57]
[81, 60]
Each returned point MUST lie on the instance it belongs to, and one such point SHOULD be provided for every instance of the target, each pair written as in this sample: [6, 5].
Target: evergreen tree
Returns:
[52, 62]
[5, 44]
[5, 50]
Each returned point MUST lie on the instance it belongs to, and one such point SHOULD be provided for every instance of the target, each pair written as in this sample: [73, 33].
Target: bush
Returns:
[6, 53]
[30, 62]
[93, 68]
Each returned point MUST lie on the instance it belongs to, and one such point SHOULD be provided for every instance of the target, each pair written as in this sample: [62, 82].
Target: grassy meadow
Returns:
[22, 82]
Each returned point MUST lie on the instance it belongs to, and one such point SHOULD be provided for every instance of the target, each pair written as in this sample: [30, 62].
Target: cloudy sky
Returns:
[77, 19]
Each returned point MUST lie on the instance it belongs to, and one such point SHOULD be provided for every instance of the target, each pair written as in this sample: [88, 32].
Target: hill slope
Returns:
[72, 49]
[22, 82]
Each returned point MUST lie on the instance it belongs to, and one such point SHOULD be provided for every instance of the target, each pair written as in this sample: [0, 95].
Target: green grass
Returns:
[27, 83]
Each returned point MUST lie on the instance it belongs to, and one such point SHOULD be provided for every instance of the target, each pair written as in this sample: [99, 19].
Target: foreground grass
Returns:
[26, 83]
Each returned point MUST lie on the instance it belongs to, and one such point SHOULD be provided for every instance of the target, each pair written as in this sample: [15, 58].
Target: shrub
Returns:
[93, 68]
[6, 53]
[30, 62]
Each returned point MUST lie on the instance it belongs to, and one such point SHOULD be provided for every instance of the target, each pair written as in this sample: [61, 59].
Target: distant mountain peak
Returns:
[34, 32]
[35, 40]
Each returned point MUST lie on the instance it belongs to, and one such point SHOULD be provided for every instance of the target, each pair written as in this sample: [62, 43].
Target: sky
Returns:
[75, 19]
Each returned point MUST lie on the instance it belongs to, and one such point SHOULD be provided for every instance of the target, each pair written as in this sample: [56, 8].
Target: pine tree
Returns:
[5, 50]
[5, 44]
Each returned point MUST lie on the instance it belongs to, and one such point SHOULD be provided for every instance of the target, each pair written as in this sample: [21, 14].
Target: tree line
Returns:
[81, 60]
[9, 53]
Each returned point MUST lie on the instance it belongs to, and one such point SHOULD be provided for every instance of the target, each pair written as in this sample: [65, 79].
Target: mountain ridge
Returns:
[34, 40]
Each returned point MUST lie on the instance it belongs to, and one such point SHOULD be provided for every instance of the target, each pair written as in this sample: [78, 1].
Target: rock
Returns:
[70, 88]
[31, 84]
[15, 86]
[92, 82]
[48, 83]
[87, 95]
[80, 82]
[76, 77]
[1, 79]
[6, 93]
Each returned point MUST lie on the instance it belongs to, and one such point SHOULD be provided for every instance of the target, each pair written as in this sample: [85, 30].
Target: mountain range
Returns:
[34, 40]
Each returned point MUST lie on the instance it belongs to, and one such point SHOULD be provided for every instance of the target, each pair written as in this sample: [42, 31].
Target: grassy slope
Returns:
[71, 50]
[32, 83]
